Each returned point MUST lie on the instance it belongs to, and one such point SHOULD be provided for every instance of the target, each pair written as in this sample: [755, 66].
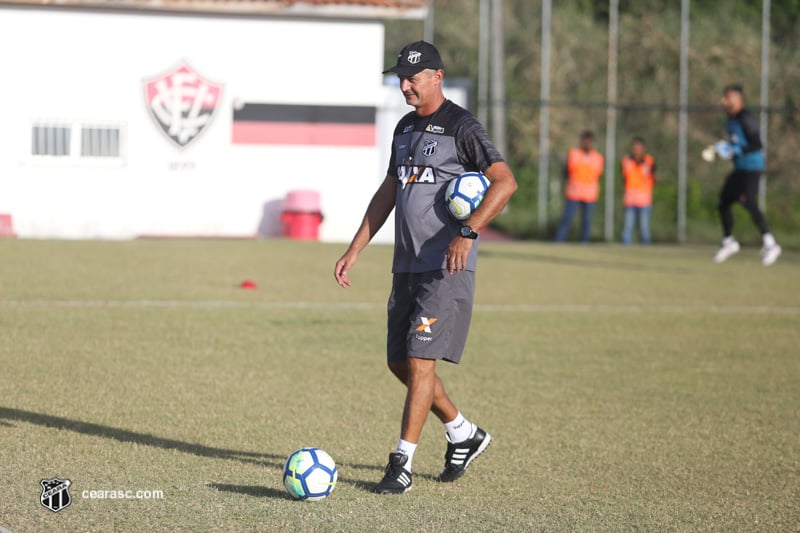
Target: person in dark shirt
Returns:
[744, 147]
[435, 259]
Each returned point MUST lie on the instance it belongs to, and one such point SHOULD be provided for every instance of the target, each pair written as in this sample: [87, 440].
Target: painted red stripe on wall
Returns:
[303, 133]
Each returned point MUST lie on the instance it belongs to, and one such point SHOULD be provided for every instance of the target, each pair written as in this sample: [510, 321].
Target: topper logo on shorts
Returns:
[55, 494]
[426, 324]
[424, 327]
[415, 174]
[182, 102]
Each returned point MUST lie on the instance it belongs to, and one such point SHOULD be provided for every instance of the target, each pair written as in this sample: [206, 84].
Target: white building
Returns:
[192, 118]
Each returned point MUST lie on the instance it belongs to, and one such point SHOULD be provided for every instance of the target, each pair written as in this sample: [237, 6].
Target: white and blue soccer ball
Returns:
[309, 474]
[465, 193]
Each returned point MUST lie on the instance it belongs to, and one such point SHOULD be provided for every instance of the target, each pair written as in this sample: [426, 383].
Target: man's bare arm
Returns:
[497, 196]
[378, 211]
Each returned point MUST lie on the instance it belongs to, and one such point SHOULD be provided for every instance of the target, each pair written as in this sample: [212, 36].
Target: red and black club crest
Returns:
[182, 102]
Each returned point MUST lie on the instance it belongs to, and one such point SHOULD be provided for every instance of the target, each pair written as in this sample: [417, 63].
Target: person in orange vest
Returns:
[583, 170]
[639, 176]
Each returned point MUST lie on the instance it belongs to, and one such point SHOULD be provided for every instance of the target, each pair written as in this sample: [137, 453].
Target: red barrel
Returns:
[6, 225]
[301, 215]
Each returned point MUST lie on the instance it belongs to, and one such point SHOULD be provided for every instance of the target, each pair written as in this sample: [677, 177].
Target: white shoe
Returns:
[770, 254]
[729, 247]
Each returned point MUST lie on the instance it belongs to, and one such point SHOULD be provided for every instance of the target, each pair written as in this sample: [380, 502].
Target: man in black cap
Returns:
[435, 256]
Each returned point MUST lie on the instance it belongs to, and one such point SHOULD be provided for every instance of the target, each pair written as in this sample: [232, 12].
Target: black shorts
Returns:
[429, 315]
[740, 186]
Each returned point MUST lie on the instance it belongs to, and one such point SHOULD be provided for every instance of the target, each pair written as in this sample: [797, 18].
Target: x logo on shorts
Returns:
[426, 324]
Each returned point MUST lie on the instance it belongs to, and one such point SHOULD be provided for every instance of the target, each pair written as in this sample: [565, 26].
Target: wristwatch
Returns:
[467, 232]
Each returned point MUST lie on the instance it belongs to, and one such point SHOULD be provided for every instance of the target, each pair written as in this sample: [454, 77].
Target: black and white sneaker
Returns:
[397, 479]
[460, 454]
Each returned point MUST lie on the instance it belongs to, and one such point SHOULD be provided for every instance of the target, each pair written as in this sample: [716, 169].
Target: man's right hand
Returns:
[379, 208]
[724, 149]
[343, 266]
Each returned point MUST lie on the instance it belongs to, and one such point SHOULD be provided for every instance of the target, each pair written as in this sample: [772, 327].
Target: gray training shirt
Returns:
[428, 152]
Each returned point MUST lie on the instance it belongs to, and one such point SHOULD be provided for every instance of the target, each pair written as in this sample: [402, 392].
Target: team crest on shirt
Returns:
[429, 148]
[408, 174]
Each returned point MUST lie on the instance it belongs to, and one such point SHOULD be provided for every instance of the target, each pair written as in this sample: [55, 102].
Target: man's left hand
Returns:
[457, 254]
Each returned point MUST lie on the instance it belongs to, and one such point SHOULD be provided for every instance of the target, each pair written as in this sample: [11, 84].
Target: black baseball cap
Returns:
[416, 57]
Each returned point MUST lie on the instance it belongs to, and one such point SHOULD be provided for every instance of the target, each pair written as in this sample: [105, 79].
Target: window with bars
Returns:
[56, 141]
[52, 140]
[99, 142]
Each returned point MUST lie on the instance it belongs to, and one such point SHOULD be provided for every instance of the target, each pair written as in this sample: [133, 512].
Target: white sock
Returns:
[459, 429]
[728, 240]
[769, 240]
[407, 449]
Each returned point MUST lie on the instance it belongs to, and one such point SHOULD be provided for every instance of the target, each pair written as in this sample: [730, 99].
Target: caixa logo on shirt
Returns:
[415, 174]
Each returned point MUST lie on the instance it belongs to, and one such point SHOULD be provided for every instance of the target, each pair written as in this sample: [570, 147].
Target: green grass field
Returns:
[627, 389]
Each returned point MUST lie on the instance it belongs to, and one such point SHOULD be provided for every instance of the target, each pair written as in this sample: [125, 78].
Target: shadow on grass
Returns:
[259, 491]
[252, 490]
[367, 486]
[124, 435]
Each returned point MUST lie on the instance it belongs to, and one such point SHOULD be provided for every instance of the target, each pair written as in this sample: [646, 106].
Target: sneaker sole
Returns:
[485, 444]
[392, 492]
[724, 258]
[726, 252]
[769, 260]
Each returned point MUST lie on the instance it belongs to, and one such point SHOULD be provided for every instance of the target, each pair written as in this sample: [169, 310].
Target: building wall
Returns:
[81, 67]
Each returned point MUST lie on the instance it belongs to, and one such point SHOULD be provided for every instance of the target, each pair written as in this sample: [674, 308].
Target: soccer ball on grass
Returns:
[309, 474]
